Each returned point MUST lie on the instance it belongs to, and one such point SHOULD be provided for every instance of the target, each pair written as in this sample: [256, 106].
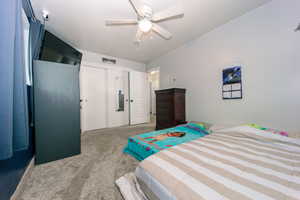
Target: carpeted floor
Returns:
[89, 176]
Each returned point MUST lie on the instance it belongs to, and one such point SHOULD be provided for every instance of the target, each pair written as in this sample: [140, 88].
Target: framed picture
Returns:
[232, 75]
[232, 83]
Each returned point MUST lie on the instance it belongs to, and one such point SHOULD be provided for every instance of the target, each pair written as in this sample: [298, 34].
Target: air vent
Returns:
[109, 61]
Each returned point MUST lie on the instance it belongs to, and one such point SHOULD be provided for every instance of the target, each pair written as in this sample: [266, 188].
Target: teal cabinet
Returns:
[56, 111]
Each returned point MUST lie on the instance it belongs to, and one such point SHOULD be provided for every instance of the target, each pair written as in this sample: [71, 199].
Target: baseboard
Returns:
[21, 183]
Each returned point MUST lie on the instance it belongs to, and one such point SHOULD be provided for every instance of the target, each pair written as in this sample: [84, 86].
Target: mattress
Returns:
[151, 187]
[237, 163]
[144, 145]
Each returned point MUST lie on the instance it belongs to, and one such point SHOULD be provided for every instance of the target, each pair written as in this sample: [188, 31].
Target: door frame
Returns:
[149, 71]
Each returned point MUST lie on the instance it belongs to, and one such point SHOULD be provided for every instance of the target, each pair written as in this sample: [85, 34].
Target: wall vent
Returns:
[109, 61]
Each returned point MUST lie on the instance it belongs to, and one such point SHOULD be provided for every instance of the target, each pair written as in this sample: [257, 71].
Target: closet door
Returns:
[139, 98]
[118, 104]
[57, 111]
[93, 98]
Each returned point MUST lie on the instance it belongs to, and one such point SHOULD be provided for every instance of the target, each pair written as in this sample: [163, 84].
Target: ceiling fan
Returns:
[146, 20]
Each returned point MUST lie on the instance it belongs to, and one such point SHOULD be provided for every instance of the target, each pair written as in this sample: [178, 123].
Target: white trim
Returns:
[22, 181]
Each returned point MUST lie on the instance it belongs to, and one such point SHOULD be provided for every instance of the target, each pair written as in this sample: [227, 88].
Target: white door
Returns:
[139, 98]
[94, 98]
[118, 115]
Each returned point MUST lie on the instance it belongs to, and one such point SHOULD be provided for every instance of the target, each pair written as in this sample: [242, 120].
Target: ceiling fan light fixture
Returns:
[147, 20]
[145, 25]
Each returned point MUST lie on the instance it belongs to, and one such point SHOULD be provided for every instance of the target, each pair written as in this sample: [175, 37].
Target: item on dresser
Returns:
[170, 108]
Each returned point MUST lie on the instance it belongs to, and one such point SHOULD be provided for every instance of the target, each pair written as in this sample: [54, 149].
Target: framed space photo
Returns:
[232, 83]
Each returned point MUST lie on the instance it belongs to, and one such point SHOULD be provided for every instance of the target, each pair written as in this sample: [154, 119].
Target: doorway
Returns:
[139, 98]
[153, 77]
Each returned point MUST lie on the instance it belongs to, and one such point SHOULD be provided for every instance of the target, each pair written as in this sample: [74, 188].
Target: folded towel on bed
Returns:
[143, 145]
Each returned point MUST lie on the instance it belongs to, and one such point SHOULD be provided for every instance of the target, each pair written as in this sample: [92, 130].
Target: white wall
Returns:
[263, 41]
[91, 57]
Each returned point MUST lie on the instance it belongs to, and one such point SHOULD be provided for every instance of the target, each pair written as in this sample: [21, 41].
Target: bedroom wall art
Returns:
[232, 83]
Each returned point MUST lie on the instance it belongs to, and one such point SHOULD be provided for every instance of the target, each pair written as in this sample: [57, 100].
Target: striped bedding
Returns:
[231, 165]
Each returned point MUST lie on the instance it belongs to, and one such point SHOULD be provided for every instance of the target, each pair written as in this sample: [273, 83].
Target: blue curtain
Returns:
[36, 35]
[14, 130]
[28, 9]
[36, 30]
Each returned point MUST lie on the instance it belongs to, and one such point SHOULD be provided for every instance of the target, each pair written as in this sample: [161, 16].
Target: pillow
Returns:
[217, 127]
[249, 129]
[246, 129]
[256, 126]
[294, 134]
[270, 130]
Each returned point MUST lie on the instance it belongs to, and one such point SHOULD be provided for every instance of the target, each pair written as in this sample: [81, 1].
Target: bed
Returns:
[233, 164]
[144, 145]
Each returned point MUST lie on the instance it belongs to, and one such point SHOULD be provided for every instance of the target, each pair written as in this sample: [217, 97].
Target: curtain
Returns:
[14, 130]
[28, 9]
[36, 35]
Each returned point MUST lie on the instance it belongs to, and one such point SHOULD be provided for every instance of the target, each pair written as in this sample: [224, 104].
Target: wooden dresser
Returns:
[170, 108]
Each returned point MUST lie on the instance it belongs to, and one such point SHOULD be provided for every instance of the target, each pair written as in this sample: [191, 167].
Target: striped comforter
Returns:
[230, 165]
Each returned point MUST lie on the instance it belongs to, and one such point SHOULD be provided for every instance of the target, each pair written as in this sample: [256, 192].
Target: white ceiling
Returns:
[81, 23]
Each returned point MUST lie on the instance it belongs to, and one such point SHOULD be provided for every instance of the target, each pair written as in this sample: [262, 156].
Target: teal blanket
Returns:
[144, 145]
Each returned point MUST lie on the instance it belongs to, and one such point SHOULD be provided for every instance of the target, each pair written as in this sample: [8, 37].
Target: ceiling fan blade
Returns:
[162, 32]
[172, 12]
[112, 22]
[138, 36]
[137, 6]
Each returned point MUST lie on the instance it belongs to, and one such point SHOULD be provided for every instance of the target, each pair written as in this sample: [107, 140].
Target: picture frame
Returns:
[232, 83]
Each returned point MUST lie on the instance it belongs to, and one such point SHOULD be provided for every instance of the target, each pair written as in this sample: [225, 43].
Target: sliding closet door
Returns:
[57, 111]
[139, 98]
[118, 105]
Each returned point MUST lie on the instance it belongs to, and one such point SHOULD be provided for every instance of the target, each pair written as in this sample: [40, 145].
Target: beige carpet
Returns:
[89, 176]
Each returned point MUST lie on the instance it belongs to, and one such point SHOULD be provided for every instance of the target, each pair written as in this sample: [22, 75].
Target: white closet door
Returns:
[117, 82]
[94, 98]
[139, 98]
